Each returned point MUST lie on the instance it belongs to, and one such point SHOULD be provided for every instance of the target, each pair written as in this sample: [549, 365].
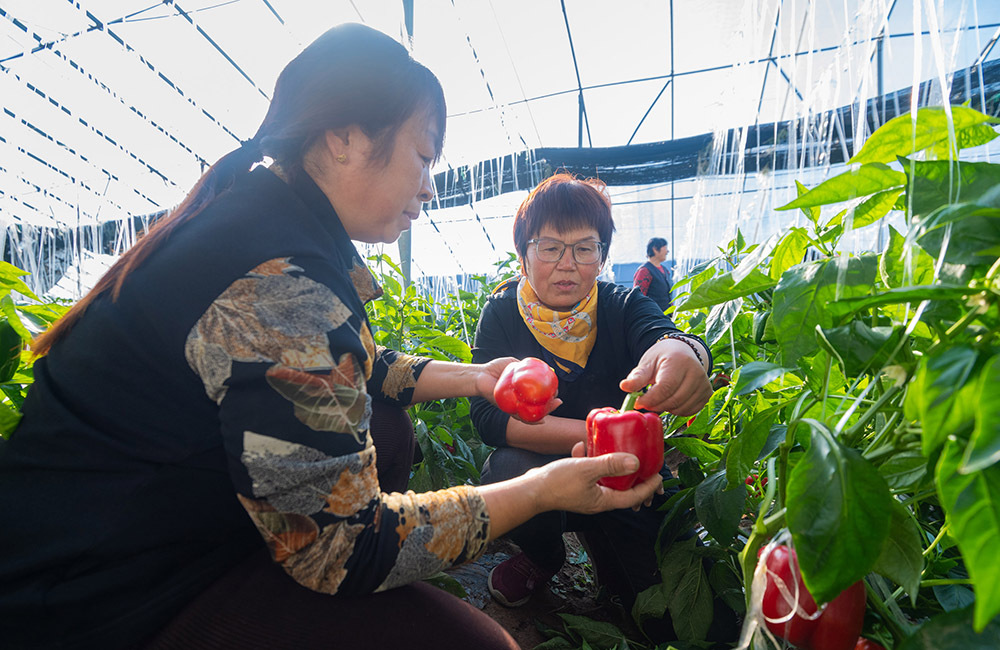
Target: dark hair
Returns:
[564, 202]
[655, 244]
[351, 75]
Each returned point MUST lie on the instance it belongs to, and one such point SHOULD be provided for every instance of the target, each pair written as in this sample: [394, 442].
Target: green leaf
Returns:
[689, 593]
[940, 292]
[707, 453]
[753, 259]
[933, 184]
[11, 345]
[689, 472]
[43, 315]
[789, 251]
[972, 136]
[720, 318]
[952, 597]
[651, 603]
[902, 136]
[953, 631]
[451, 345]
[720, 508]
[695, 281]
[901, 265]
[942, 394]
[904, 470]
[9, 419]
[869, 211]
[709, 413]
[727, 586]
[983, 449]
[9, 310]
[775, 437]
[901, 559]
[445, 582]
[971, 233]
[758, 374]
[839, 509]
[972, 504]
[812, 213]
[722, 289]
[745, 448]
[10, 280]
[556, 643]
[600, 635]
[802, 297]
[861, 347]
[856, 181]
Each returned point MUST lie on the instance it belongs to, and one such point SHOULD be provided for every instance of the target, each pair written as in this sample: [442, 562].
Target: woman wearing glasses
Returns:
[602, 340]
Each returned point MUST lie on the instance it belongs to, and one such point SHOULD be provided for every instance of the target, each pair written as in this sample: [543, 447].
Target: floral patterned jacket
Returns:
[237, 358]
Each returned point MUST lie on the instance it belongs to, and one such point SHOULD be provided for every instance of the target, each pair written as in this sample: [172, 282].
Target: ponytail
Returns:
[216, 179]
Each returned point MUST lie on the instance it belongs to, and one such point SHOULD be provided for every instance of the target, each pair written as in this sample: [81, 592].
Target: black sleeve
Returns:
[645, 324]
[491, 342]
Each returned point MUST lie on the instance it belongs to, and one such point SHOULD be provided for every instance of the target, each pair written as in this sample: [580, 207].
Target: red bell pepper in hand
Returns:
[526, 388]
[635, 432]
[836, 628]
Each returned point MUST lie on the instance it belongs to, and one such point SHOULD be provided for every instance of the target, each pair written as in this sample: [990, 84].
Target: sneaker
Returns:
[512, 582]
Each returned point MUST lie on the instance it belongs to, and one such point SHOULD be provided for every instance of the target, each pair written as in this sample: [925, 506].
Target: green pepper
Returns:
[635, 432]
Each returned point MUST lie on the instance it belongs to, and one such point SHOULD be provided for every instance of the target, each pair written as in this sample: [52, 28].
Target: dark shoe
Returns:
[512, 582]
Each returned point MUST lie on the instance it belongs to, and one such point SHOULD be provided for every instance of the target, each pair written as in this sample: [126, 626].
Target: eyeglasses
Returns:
[584, 252]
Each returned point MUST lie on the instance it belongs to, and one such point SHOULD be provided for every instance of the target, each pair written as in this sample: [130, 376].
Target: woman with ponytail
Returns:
[196, 466]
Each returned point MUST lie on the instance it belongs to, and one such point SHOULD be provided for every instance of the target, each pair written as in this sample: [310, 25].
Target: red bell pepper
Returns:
[868, 644]
[836, 628]
[635, 432]
[525, 389]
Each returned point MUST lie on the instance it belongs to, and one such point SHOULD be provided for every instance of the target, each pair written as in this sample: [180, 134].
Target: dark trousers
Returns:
[620, 542]
[256, 605]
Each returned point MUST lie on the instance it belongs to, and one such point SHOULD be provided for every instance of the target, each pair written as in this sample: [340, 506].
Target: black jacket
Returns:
[628, 324]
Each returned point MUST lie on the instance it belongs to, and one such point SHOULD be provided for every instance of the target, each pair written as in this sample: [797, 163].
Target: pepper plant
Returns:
[412, 321]
[865, 389]
[22, 316]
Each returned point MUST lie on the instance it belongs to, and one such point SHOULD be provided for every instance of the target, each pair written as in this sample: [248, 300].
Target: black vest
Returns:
[659, 288]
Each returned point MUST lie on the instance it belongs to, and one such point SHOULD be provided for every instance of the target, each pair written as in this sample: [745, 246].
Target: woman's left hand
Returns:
[679, 383]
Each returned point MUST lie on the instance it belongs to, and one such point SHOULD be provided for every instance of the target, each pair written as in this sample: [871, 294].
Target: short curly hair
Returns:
[564, 202]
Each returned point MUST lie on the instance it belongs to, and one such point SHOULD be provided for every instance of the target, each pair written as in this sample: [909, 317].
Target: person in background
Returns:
[603, 341]
[652, 278]
[195, 468]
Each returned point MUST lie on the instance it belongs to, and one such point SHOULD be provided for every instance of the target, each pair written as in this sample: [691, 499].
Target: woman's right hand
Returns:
[566, 484]
[571, 483]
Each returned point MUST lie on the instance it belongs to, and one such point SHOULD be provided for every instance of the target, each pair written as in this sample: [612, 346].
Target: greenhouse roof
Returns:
[112, 109]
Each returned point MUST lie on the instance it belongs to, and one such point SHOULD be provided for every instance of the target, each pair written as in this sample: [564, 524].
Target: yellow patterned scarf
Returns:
[568, 336]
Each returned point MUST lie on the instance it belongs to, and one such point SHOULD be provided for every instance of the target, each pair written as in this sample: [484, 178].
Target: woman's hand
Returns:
[679, 382]
[486, 381]
[488, 375]
[571, 483]
[566, 484]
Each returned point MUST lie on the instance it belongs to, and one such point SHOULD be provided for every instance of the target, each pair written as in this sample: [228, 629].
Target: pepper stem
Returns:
[629, 403]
